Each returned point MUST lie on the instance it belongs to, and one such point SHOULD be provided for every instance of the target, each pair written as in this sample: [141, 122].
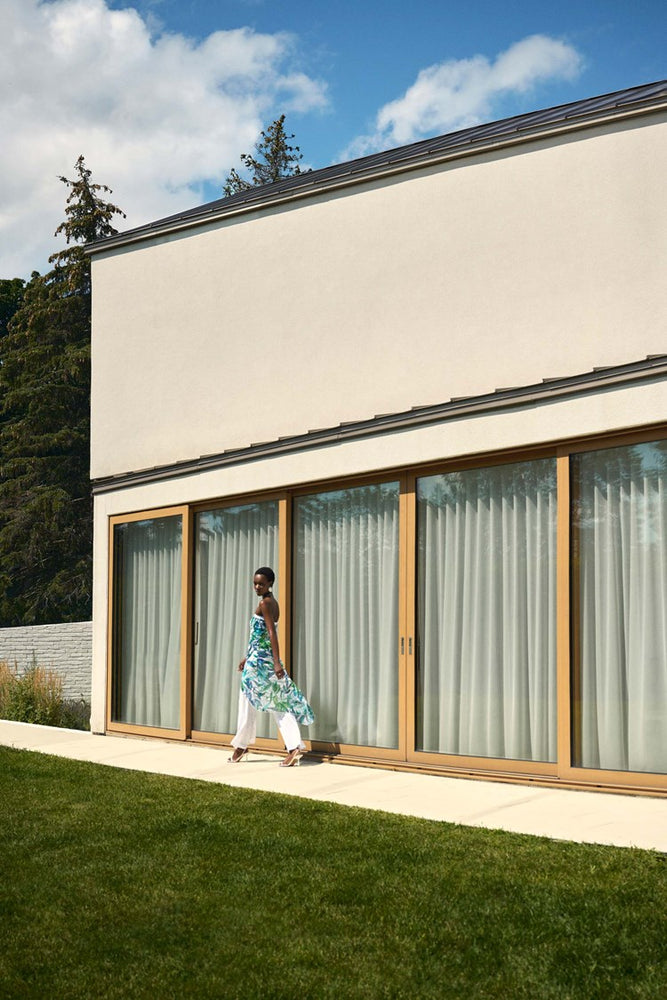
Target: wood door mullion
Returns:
[407, 581]
[563, 671]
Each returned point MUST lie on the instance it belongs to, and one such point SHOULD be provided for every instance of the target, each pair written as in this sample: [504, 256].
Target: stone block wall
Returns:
[65, 648]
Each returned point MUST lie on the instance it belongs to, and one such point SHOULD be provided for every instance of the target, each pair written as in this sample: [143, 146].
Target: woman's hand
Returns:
[241, 664]
[280, 672]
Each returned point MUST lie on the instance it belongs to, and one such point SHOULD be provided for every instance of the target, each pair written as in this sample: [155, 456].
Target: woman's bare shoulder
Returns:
[269, 604]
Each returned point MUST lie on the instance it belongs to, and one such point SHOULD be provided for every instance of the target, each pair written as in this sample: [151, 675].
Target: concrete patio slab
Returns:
[561, 814]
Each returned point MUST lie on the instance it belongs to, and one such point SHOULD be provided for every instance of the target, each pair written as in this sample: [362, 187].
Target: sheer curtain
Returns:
[346, 606]
[231, 543]
[147, 620]
[486, 682]
[620, 532]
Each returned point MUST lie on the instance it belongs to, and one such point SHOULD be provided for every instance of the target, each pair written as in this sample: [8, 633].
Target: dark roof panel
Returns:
[417, 153]
[609, 377]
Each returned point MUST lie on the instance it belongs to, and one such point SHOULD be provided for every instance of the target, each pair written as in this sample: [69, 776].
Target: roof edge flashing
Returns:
[547, 391]
[396, 161]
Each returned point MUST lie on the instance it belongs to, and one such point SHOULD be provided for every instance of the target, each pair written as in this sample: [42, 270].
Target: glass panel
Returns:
[231, 543]
[486, 564]
[346, 612]
[147, 622]
[620, 560]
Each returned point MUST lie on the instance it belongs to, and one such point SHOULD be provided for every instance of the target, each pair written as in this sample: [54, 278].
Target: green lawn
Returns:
[121, 884]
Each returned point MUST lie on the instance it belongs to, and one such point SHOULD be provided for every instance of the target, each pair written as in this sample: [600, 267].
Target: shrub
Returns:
[37, 697]
[75, 714]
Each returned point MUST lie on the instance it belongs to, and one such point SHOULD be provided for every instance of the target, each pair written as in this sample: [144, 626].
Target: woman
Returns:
[265, 686]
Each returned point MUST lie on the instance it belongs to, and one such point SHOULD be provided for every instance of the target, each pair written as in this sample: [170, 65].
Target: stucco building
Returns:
[429, 387]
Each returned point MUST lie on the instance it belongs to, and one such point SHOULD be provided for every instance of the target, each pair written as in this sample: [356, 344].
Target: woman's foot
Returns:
[238, 755]
[292, 759]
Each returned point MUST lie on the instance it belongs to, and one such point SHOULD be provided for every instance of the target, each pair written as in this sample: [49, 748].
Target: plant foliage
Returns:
[11, 296]
[274, 160]
[45, 505]
[36, 697]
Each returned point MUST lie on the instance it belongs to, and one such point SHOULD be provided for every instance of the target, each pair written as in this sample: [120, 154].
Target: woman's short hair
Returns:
[266, 572]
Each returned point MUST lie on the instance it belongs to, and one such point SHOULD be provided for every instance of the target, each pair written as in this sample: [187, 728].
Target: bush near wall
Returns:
[36, 696]
[66, 648]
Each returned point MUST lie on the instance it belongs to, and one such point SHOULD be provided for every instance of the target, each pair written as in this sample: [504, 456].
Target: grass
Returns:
[122, 884]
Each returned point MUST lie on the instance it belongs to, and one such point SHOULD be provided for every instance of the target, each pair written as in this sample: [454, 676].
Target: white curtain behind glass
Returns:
[620, 513]
[231, 543]
[345, 613]
[487, 612]
[148, 588]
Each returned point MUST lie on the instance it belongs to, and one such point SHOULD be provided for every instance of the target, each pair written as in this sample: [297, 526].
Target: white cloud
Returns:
[155, 115]
[462, 92]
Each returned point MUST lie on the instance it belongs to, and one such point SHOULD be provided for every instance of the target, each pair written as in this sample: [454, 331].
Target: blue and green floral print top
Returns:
[259, 683]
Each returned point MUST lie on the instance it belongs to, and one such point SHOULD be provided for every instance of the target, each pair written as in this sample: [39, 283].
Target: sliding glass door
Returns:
[147, 622]
[486, 609]
[231, 543]
[345, 632]
[620, 572]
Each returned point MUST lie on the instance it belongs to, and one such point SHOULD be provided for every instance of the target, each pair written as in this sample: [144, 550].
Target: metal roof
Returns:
[603, 379]
[564, 117]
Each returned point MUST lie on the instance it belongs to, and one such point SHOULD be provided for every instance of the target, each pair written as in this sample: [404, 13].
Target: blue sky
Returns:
[161, 96]
[370, 53]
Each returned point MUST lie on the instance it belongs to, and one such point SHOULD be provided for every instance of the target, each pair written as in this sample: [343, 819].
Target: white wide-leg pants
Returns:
[246, 726]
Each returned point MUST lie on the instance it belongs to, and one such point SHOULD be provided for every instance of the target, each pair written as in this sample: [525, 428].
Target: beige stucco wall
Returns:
[500, 269]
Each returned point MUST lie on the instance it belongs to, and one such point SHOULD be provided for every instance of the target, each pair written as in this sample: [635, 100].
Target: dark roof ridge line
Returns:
[493, 135]
[420, 416]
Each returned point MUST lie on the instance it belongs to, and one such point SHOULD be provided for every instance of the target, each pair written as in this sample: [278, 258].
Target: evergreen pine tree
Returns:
[45, 505]
[275, 159]
[11, 296]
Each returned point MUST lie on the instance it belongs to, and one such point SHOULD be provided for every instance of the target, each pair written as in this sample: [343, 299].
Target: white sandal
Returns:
[293, 758]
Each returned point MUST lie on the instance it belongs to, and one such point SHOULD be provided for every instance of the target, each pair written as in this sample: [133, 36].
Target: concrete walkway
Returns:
[588, 817]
